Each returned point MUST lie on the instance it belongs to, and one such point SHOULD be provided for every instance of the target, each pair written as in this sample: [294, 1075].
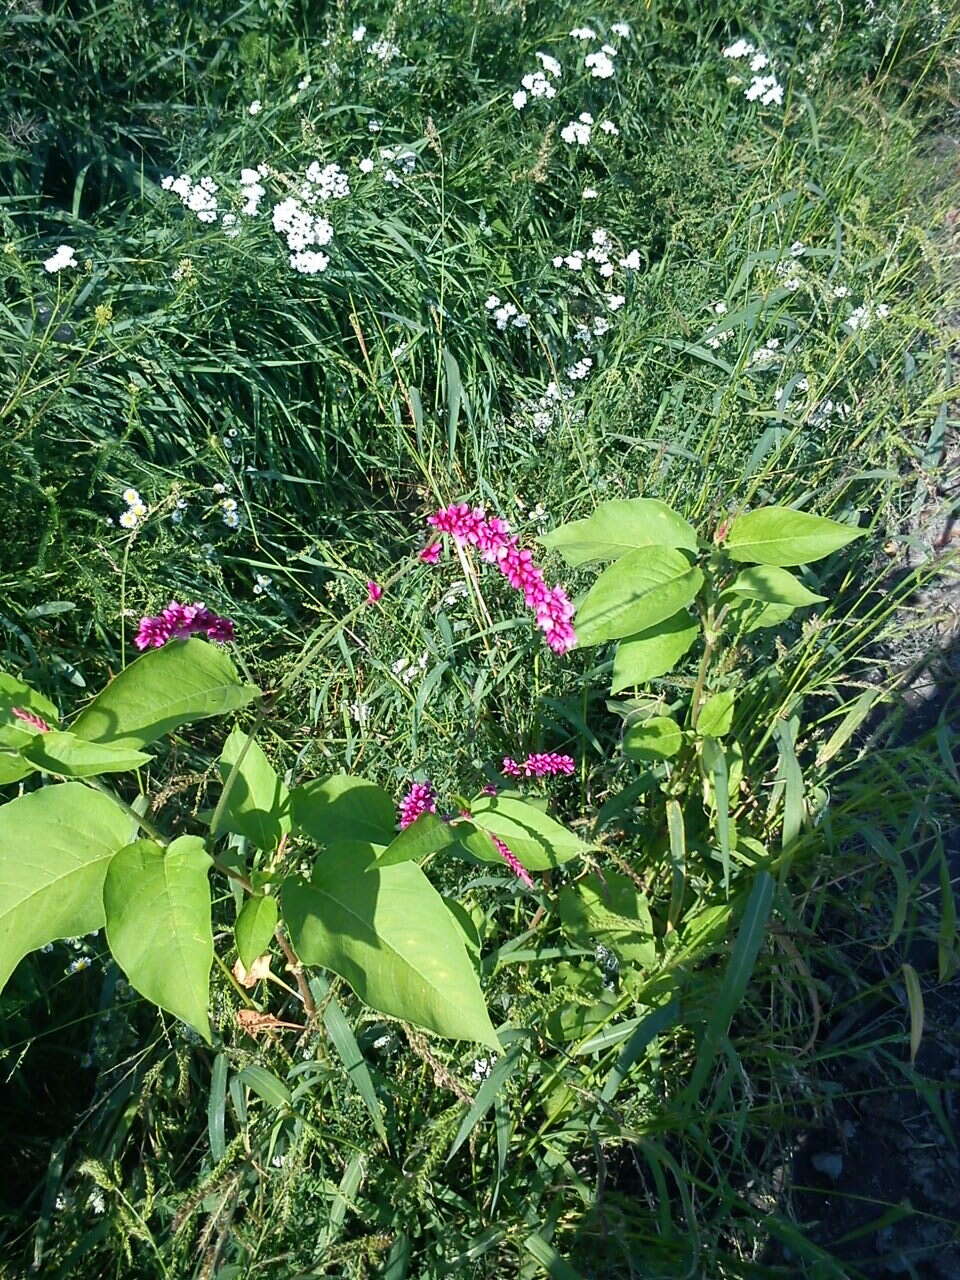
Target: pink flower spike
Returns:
[178, 622]
[513, 862]
[421, 798]
[29, 718]
[430, 554]
[510, 769]
[374, 592]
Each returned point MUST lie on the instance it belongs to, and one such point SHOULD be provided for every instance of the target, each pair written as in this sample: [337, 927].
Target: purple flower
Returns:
[178, 621]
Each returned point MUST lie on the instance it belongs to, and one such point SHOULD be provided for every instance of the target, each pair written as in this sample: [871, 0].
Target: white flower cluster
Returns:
[403, 158]
[64, 256]
[229, 513]
[600, 62]
[762, 356]
[252, 189]
[327, 182]
[766, 89]
[863, 316]
[504, 313]
[543, 411]
[580, 131]
[407, 670]
[827, 410]
[199, 197]
[302, 229]
[383, 50]
[580, 370]
[535, 84]
[136, 509]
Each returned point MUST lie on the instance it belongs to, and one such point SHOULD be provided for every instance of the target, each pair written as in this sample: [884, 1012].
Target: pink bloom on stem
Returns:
[421, 798]
[29, 718]
[374, 592]
[178, 621]
[510, 768]
[513, 862]
[492, 538]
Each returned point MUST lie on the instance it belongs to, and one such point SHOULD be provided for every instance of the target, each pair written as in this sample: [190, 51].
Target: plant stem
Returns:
[296, 968]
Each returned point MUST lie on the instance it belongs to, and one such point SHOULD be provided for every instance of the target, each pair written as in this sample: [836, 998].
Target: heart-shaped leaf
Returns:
[388, 933]
[185, 680]
[426, 835]
[157, 904]
[55, 845]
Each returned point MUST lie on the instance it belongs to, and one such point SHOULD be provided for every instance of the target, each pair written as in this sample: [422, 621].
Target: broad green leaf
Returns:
[428, 834]
[157, 904]
[15, 733]
[55, 845]
[619, 526]
[72, 757]
[340, 807]
[537, 840]
[258, 805]
[388, 933]
[653, 652]
[716, 715]
[609, 909]
[658, 738]
[644, 588]
[772, 585]
[185, 680]
[254, 928]
[783, 536]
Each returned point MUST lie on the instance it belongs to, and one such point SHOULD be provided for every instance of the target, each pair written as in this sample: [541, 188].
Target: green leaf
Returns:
[71, 757]
[15, 733]
[642, 589]
[387, 932]
[258, 805]
[759, 616]
[185, 680]
[428, 834]
[653, 652]
[157, 904]
[658, 738]
[772, 585]
[254, 928]
[55, 845]
[734, 985]
[340, 807]
[783, 536]
[537, 840]
[618, 527]
[609, 909]
[267, 1086]
[716, 715]
[343, 1040]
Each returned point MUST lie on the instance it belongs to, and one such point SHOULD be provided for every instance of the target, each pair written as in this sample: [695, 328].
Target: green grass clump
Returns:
[334, 411]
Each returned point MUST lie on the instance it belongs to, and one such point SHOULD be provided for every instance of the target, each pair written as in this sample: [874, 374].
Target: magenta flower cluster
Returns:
[540, 764]
[512, 861]
[178, 621]
[35, 722]
[420, 799]
[492, 538]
